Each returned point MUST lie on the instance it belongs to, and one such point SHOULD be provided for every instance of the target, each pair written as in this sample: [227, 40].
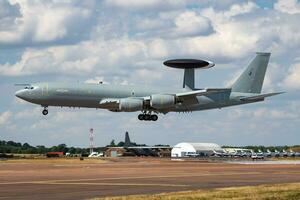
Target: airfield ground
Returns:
[90, 178]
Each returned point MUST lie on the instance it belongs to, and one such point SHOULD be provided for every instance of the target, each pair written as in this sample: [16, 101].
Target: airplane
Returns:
[147, 100]
[291, 153]
[220, 153]
[268, 154]
[276, 153]
[133, 150]
[284, 153]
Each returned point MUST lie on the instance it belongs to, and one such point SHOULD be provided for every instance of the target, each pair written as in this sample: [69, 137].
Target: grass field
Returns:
[290, 191]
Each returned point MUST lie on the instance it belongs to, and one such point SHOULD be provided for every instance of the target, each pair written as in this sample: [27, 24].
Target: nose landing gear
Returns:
[147, 117]
[45, 111]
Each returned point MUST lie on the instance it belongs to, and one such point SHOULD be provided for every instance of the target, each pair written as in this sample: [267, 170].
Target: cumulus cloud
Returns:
[189, 23]
[86, 57]
[288, 6]
[8, 15]
[292, 80]
[4, 117]
[144, 5]
[39, 22]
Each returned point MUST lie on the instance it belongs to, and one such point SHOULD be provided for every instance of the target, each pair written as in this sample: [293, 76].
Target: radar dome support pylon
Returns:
[189, 66]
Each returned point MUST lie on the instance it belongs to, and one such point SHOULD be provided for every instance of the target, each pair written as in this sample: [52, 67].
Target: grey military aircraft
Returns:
[153, 100]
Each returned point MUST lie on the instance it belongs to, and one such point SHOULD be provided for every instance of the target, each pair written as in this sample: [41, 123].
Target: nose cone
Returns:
[22, 94]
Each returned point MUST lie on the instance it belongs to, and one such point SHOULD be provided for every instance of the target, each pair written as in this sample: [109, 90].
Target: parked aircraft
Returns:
[284, 153]
[220, 153]
[291, 153]
[276, 153]
[148, 100]
[268, 154]
[133, 150]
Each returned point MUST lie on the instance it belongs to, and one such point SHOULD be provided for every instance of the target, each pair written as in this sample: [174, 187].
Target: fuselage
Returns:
[90, 96]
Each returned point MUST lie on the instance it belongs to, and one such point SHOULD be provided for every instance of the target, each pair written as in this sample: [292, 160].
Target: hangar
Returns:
[186, 149]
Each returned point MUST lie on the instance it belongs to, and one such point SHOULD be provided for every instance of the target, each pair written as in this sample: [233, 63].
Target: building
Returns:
[115, 151]
[54, 154]
[185, 149]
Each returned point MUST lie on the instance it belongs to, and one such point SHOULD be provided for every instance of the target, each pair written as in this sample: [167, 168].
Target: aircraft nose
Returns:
[21, 94]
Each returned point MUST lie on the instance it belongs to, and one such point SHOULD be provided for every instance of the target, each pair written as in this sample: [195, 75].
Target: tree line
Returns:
[25, 148]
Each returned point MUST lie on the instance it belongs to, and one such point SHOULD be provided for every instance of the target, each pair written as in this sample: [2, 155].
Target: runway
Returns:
[56, 179]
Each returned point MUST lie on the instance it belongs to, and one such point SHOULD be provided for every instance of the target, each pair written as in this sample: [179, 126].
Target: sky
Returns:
[126, 42]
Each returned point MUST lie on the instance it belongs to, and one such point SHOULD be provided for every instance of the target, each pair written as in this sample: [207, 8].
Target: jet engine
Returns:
[130, 105]
[161, 101]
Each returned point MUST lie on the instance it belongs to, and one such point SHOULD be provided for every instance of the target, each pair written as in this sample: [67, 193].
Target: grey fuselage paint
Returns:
[90, 95]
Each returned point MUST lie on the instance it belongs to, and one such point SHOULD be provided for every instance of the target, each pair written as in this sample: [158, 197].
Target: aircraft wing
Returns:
[202, 92]
[260, 96]
[190, 97]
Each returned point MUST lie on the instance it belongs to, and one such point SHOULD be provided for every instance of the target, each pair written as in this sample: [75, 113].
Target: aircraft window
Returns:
[29, 87]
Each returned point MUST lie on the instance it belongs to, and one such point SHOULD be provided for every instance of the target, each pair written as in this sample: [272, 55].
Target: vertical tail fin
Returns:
[127, 142]
[251, 80]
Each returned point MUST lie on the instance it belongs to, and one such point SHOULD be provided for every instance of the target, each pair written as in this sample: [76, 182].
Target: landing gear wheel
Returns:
[45, 112]
[154, 117]
[147, 117]
[141, 116]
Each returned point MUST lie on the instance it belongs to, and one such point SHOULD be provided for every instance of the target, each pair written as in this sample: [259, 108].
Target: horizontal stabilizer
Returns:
[261, 96]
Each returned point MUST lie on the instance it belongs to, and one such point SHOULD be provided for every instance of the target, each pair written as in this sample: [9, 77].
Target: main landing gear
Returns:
[147, 117]
[45, 111]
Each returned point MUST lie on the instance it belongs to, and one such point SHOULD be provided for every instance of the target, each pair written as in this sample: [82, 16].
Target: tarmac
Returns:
[59, 179]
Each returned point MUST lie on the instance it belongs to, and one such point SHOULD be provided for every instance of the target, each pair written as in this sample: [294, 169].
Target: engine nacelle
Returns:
[130, 105]
[161, 101]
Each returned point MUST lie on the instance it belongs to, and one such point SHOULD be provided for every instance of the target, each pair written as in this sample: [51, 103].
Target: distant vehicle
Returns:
[148, 100]
[96, 154]
[256, 156]
[192, 154]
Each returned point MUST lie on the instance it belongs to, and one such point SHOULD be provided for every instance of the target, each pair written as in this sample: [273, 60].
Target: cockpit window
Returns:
[29, 87]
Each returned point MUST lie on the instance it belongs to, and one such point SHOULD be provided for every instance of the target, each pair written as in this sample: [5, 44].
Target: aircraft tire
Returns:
[141, 117]
[154, 117]
[45, 112]
[147, 117]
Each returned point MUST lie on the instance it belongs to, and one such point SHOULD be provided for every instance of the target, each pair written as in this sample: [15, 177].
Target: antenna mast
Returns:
[91, 140]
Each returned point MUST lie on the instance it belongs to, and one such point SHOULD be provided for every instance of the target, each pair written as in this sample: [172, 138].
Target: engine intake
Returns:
[161, 101]
[130, 105]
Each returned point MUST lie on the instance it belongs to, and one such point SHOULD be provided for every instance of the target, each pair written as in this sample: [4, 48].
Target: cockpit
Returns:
[29, 87]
